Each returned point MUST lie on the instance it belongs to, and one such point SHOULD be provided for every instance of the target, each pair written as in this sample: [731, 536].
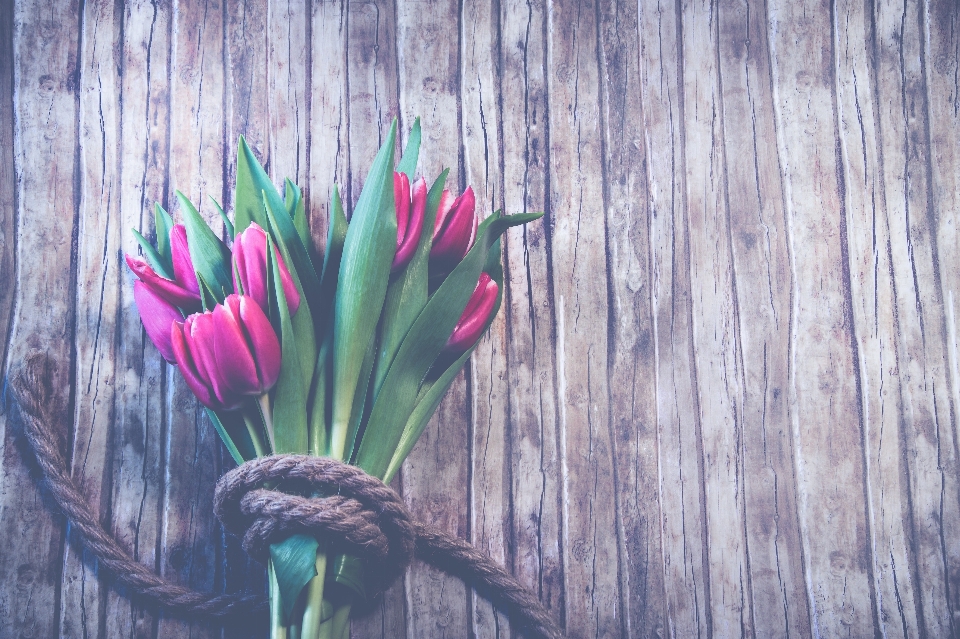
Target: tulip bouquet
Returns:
[345, 355]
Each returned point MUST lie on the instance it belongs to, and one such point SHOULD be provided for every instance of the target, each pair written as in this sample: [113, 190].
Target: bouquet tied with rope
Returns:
[342, 357]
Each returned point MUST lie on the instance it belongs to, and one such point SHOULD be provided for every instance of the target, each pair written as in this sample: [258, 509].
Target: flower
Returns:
[157, 315]
[227, 353]
[183, 290]
[250, 268]
[475, 316]
[409, 226]
[454, 231]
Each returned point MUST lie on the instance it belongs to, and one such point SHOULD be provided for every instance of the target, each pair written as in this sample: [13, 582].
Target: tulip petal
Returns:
[250, 264]
[157, 314]
[401, 195]
[475, 316]
[411, 238]
[457, 235]
[188, 367]
[167, 289]
[263, 341]
[443, 210]
[235, 367]
[183, 271]
[200, 333]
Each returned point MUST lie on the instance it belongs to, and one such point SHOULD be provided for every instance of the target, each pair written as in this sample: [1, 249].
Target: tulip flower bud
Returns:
[454, 231]
[157, 315]
[475, 316]
[250, 267]
[227, 353]
[182, 291]
[409, 219]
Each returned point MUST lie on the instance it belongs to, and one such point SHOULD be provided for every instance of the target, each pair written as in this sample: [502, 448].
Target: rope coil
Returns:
[362, 516]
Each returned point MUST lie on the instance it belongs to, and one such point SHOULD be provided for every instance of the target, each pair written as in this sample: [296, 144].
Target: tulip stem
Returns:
[277, 629]
[313, 613]
[267, 414]
[253, 428]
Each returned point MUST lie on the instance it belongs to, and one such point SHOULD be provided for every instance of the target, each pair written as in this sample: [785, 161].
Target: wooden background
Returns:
[722, 399]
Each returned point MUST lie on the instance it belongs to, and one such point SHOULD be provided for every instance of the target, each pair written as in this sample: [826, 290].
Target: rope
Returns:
[362, 517]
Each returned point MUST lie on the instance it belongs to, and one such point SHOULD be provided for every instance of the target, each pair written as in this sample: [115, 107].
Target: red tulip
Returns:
[183, 290]
[228, 353]
[157, 315]
[454, 231]
[475, 316]
[250, 266]
[409, 226]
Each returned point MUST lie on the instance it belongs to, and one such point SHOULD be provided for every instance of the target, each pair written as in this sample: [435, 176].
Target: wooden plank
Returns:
[372, 81]
[926, 402]
[137, 439]
[761, 288]
[329, 111]
[83, 593]
[685, 574]
[45, 41]
[716, 350]
[437, 604]
[288, 77]
[529, 307]
[632, 367]
[490, 459]
[8, 180]
[578, 259]
[192, 451]
[824, 392]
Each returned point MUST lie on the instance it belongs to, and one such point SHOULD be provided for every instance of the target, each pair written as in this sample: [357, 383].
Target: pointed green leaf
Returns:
[226, 438]
[362, 285]
[210, 256]
[360, 400]
[320, 398]
[293, 200]
[208, 298]
[408, 164]
[421, 347]
[294, 563]
[164, 224]
[408, 290]
[280, 226]
[252, 180]
[348, 571]
[153, 257]
[227, 224]
[290, 393]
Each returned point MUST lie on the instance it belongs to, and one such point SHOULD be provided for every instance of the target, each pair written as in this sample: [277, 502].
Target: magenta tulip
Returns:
[157, 315]
[409, 218]
[250, 267]
[454, 231]
[183, 290]
[227, 354]
[475, 316]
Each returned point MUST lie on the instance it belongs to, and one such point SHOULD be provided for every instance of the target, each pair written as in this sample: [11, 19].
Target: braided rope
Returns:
[360, 516]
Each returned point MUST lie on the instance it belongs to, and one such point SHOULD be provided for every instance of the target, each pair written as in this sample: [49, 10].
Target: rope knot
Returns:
[353, 512]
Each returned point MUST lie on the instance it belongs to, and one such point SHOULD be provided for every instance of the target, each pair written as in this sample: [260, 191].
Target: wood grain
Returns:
[722, 395]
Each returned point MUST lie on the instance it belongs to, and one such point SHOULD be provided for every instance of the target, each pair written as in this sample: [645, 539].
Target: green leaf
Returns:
[153, 257]
[319, 397]
[228, 439]
[360, 400]
[294, 563]
[293, 200]
[348, 571]
[362, 285]
[164, 224]
[208, 299]
[227, 224]
[408, 290]
[303, 326]
[433, 390]
[408, 164]
[421, 347]
[336, 236]
[210, 256]
[290, 393]
[251, 181]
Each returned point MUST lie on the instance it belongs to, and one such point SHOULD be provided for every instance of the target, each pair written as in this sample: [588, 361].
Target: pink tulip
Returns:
[454, 231]
[475, 316]
[250, 266]
[157, 315]
[228, 353]
[409, 226]
[183, 290]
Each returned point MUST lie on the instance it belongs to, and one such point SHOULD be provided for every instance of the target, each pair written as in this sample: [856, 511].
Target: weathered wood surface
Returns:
[722, 398]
